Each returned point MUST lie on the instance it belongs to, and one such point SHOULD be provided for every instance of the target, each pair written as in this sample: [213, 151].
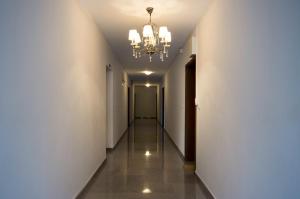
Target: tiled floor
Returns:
[130, 174]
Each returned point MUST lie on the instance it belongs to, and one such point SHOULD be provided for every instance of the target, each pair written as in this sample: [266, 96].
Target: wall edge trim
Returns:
[118, 142]
[208, 193]
[174, 144]
[91, 180]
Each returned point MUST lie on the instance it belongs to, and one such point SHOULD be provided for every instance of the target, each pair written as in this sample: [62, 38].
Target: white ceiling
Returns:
[116, 17]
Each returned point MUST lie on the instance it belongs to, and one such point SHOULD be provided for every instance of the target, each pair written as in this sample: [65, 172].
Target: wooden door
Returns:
[190, 110]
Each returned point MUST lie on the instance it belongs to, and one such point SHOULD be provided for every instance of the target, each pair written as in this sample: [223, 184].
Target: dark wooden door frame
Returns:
[128, 105]
[163, 107]
[156, 103]
[190, 110]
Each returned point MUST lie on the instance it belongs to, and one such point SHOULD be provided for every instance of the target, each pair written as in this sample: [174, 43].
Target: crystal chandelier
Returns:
[154, 41]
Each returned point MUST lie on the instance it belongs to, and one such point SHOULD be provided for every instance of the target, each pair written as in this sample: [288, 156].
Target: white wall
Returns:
[131, 103]
[53, 101]
[116, 102]
[120, 104]
[175, 96]
[159, 103]
[248, 77]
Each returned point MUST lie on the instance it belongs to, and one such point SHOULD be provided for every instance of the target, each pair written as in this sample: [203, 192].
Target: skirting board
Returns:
[98, 171]
[204, 187]
[90, 181]
[177, 149]
[111, 149]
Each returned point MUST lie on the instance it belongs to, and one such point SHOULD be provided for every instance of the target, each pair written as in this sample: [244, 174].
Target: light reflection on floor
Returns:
[145, 164]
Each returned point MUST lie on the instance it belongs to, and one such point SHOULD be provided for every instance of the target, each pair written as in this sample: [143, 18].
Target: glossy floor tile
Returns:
[145, 164]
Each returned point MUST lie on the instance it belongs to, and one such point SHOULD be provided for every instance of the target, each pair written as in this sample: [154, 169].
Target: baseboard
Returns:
[116, 145]
[145, 118]
[109, 150]
[160, 123]
[90, 180]
[204, 188]
[97, 172]
[131, 122]
[176, 147]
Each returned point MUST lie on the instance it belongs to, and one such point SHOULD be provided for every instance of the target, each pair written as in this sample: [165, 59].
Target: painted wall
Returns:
[117, 81]
[53, 99]
[120, 106]
[248, 77]
[131, 102]
[159, 103]
[175, 96]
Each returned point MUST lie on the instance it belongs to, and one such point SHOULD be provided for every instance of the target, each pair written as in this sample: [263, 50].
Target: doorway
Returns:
[145, 102]
[190, 110]
[128, 106]
[109, 106]
[163, 107]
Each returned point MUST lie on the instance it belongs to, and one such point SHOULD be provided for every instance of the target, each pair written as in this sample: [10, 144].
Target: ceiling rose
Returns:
[154, 41]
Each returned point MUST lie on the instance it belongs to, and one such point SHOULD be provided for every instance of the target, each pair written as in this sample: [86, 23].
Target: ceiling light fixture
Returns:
[147, 85]
[147, 154]
[154, 40]
[147, 72]
[146, 191]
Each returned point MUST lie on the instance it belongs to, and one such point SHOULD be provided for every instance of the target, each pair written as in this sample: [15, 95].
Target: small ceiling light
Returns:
[147, 72]
[148, 85]
[146, 191]
[147, 153]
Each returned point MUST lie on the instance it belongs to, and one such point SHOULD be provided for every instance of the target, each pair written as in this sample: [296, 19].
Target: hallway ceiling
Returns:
[116, 17]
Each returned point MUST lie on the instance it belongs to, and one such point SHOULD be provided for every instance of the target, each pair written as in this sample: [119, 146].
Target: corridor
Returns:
[145, 164]
[209, 88]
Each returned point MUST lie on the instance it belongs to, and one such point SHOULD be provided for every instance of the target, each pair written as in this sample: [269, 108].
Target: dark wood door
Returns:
[190, 110]
[128, 110]
[163, 107]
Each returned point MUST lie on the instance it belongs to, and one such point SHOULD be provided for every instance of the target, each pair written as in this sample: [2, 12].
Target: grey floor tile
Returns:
[129, 174]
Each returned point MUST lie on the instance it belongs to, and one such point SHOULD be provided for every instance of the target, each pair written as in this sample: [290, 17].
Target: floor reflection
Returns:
[145, 164]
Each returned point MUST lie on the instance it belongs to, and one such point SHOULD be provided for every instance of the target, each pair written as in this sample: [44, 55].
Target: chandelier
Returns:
[154, 40]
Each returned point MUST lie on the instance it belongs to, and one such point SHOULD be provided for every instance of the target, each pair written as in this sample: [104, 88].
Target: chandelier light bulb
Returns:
[148, 31]
[168, 37]
[132, 34]
[163, 30]
[137, 38]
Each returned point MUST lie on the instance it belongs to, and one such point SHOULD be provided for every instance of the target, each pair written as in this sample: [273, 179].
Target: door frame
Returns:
[128, 106]
[190, 110]
[134, 85]
[163, 107]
